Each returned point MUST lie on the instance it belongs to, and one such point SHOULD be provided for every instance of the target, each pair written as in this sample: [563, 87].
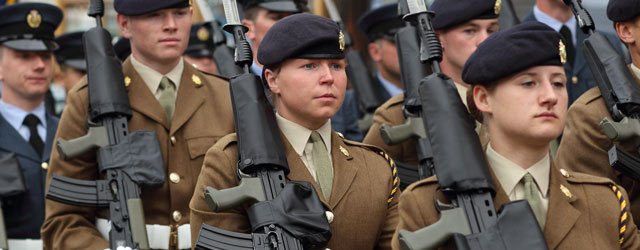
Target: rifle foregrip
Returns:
[95, 137]
[249, 190]
[77, 192]
[452, 221]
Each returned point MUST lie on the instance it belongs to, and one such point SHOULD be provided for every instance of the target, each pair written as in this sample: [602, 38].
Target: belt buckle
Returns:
[173, 237]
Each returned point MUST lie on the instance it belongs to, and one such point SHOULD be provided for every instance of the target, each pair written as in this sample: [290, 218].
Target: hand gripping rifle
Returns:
[413, 127]
[470, 218]
[370, 95]
[127, 160]
[222, 54]
[275, 214]
[619, 90]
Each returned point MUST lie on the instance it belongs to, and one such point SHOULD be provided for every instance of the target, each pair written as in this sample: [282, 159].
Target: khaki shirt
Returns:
[298, 136]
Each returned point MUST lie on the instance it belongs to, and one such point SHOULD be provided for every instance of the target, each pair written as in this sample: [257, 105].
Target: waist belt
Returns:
[159, 235]
[31, 244]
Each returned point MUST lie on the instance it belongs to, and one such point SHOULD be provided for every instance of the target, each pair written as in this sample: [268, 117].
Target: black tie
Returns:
[568, 42]
[32, 121]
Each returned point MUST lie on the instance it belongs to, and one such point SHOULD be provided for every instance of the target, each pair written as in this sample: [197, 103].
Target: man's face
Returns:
[26, 75]
[461, 41]
[259, 26]
[385, 53]
[158, 37]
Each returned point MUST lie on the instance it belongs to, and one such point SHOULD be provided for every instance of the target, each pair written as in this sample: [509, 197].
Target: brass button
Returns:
[174, 177]
[44, 165]
[574, 80]
[177, 216]
[330, 216]
[173, 140]
[565, 173]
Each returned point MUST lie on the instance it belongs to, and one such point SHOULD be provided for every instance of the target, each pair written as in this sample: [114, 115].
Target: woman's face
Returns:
[529, 106]
[308, 91]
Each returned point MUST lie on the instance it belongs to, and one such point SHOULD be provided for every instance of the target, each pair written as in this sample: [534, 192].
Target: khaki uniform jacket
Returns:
[584, 146]
[584, 217]
[361, 186]
[202, 115]
[391, 113]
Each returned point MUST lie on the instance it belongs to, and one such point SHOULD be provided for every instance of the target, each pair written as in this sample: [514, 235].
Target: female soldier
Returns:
[523, 104]
[305, 70]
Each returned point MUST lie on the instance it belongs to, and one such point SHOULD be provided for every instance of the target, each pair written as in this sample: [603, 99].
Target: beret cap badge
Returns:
[341, 41]
[563, 52]
[496, 8]
[34, 19]
[202, 34]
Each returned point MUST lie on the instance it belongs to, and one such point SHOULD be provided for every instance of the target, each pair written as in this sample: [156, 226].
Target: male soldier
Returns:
[26, 130]
[380, 25]
[557, 15]
[305, 70]
[461, 27]
[71, 59]
[187, 109]
[199, 53]
[584, 145]
[260, 15]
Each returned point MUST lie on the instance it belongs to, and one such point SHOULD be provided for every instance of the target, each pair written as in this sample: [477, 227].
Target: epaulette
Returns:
[589, 96]
[225, 141]
[581, 178]
[393, 101]
[395, 181]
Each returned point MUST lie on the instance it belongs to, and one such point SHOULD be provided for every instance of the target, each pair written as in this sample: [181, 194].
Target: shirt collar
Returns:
[257, 70]
[555, 24]
[462, 91]
[510, 173]
[391, 88]
[298, 136]
[15, 115]
[152, 77]
[635, 70]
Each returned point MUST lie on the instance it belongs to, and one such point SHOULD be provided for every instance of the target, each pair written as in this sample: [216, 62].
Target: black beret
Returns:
[200, 40]
[623, 10]
[301, 35]
[381, 21]
[122, 48]
[141, 7]
[449, 13]
[294, 6]
[71, 52]
[29, 26]
[513, 50]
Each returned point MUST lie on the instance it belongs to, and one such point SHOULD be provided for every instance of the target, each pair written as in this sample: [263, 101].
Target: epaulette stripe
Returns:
[623, 213]
[395, 181]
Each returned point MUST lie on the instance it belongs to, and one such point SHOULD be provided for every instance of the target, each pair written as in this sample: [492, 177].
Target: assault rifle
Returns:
[470, 219]
[370, 95]
[407, 42]
[263, 169]
[619, 90]
[222, 54]
[127, 160]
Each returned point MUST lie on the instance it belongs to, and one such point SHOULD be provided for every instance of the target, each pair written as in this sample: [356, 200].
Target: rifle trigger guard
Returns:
[441, 206]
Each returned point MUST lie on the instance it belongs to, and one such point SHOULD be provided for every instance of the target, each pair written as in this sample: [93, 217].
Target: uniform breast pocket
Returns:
[11, 179]
[198, 146]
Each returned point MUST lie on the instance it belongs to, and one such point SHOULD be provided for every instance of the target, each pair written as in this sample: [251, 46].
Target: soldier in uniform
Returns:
[71, 59]
[460, 28]
[186, 108]
[260, 15]
[199, 53]
[26, 129]
[584, 146]
[524, 107]
[380, 25]
[305, 70]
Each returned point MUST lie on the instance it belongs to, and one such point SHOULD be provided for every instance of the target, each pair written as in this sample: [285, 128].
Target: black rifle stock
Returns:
[370, 95]
[620, 92]
[262, 166]
[109, 113]
[459, 162]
